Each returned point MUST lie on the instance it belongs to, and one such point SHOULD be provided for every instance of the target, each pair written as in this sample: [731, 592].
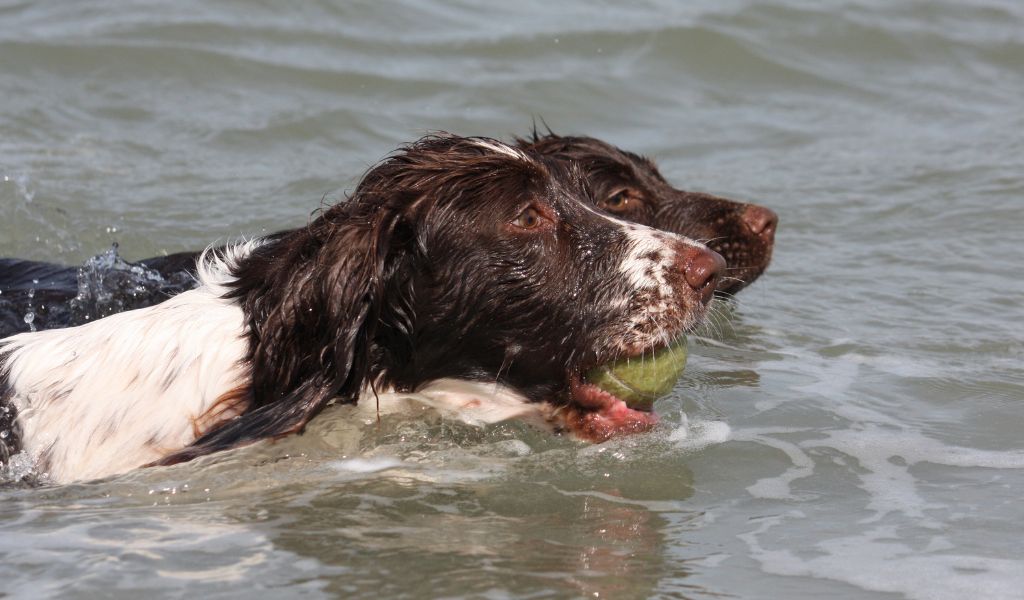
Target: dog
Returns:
[455, 257]
[624, 184]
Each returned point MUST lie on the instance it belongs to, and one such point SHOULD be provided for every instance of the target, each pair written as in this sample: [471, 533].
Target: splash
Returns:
[108, 284]
[697, 434]
[30, 313]
[20, 468]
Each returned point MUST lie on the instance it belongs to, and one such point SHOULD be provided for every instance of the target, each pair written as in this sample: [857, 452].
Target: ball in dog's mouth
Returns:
[640, 380]
[618, 397]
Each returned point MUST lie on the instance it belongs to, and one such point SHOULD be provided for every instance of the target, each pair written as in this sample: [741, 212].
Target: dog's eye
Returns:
[618, 202]
[530, 218]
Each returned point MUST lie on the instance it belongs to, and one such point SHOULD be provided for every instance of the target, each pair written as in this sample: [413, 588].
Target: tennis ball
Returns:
[640, 380]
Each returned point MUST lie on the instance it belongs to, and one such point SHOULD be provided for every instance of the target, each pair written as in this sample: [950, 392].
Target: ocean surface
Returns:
[850, 429]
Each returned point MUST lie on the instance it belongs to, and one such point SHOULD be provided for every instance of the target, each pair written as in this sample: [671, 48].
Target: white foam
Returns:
[699, 434]
[778, 487]
[914, 447]
[885, 455]
[832, 379]
[367, 465]
[891, 486]
[875, 560]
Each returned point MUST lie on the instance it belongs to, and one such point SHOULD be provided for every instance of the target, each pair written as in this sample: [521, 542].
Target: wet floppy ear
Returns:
[396, 320]
[319, 320]
[362, 267]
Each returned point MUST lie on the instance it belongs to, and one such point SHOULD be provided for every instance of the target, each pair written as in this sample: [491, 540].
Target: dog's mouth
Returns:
[596, 415]
[618, 398]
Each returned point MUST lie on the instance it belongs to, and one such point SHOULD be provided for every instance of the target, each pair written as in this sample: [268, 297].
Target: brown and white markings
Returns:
[629, 186]
[460, 258]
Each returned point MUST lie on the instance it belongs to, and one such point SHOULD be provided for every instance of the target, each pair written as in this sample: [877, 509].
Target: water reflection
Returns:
[458, 510]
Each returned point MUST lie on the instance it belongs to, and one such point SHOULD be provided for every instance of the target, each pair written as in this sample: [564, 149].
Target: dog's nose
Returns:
[703, 268]
[760, 220]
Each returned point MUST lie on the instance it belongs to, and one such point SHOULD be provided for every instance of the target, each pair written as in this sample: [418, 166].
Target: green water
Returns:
[852, 431]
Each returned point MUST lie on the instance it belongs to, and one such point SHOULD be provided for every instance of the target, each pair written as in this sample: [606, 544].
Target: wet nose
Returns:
[760, 220]
[703, 268]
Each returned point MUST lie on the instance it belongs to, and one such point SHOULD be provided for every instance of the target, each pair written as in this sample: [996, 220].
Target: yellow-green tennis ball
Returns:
[641, 380]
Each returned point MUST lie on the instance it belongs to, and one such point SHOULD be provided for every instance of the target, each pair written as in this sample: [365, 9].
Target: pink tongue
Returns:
[599, 415]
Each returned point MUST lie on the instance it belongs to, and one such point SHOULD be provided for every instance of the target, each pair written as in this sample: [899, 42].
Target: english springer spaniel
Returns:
[453, 258]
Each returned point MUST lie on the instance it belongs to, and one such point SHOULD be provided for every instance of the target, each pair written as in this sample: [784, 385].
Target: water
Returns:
[853, 431]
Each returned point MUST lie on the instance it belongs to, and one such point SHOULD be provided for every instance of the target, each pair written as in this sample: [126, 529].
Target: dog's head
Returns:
[504, 272]
[465, 258]
[630, 186]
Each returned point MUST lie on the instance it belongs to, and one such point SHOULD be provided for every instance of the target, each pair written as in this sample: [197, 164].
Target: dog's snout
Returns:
[702, 269]
[760, 220]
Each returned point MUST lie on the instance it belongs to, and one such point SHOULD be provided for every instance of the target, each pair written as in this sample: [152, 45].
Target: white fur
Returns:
[472, 402]
[479, 403]
[644, 273]
[501, 148]
[125, 390]
[641, 271]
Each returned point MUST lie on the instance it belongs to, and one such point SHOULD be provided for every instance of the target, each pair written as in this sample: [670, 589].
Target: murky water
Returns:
[852, 431]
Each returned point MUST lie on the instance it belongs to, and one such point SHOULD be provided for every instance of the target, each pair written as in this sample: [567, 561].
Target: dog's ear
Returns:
[314, 301]
[329, 307]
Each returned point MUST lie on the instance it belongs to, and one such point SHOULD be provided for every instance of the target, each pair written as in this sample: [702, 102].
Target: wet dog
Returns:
[455, 257]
